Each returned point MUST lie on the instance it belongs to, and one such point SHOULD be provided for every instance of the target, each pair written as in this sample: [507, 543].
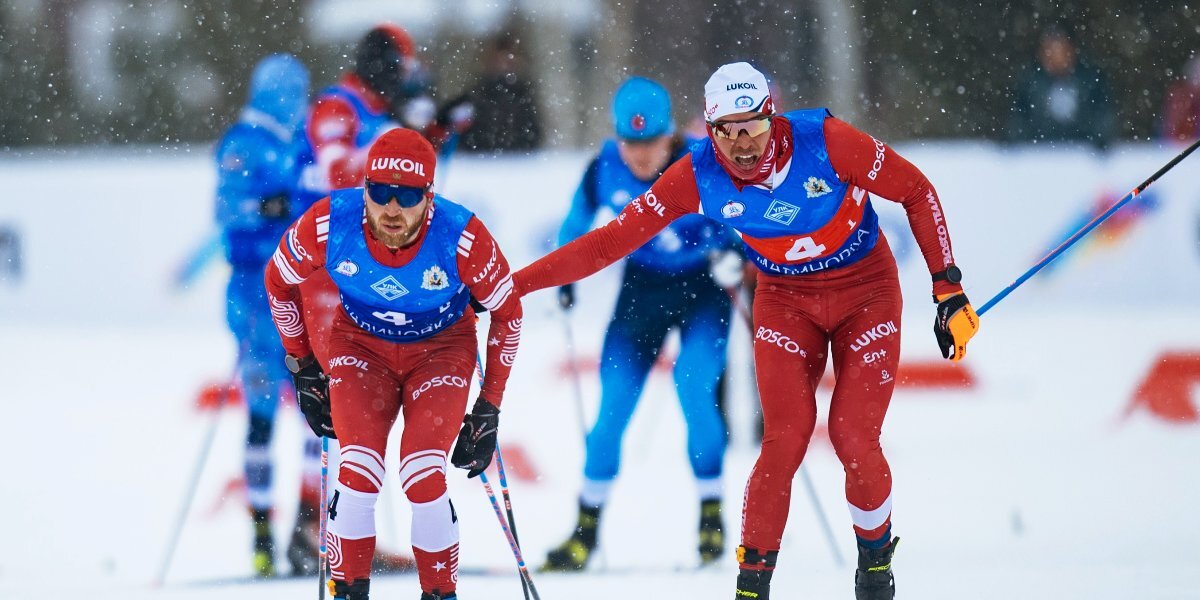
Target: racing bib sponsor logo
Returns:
[404, 165]
[733, 209]
[389, 288]
[782, 212]
[771, 336]
[488, 268]
[347, 268]
[816, 187]
[298, 251]
[434, 278]
[651, 202]
[943, 235]
[349, 361]
[443, 381]
[878, 163]
[870, 358]
[877, 332]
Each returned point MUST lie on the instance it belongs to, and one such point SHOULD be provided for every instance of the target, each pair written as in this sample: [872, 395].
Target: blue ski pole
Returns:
[1086, 229]
[324, 560]
[512, 521]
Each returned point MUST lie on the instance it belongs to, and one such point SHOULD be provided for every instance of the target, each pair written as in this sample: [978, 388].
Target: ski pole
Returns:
[576, 384]
[741, 309]
[512, 540]
[1086, 229]
[512, 520]
[323, 562]
[812, 494]
[197, 471]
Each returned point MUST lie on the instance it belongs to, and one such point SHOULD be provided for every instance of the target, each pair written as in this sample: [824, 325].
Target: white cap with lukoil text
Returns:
[736, 88]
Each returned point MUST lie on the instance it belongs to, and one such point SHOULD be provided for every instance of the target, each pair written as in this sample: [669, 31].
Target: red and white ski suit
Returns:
[372, 381]
[851, 313]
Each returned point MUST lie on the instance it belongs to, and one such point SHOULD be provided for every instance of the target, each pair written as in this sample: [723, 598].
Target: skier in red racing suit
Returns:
[407, 264]
[795, 186]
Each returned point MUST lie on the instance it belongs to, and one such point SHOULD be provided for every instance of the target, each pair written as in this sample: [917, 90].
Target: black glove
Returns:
[312, 393]
[275, 207]
[477, 438]
[566, 296]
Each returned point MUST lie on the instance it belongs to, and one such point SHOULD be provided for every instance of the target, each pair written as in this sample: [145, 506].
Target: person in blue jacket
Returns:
[667, 284]
[256, 175]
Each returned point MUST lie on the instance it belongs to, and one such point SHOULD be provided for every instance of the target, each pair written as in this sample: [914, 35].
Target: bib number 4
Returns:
[393, 317]
[804, 248]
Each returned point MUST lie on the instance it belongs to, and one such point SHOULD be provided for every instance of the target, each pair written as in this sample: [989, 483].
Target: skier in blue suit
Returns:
[667, 284]
[256, 175]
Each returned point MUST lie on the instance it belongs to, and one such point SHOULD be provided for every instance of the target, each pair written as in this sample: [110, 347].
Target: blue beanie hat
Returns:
[279, 88]
[642, 110]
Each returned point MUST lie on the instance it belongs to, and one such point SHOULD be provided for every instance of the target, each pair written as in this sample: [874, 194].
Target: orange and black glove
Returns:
[956, 323]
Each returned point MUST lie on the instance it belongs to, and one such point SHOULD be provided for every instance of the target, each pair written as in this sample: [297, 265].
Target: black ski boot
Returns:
[264, 544]
[573, 554]
[754, 576]
[359, 589]
[873, 580]
[712, 532]
[437, 595]
[302, 551]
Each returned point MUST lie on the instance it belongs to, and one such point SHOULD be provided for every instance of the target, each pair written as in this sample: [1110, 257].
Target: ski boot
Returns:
[360, 589]
[873, 580]
[712, 532]
[437, 595]
[573, 554]
[302, 551]
[754, 574]
[264, 544]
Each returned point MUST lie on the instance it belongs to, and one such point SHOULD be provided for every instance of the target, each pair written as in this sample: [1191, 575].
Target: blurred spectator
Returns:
[506, 115]
[1062, 98]
[1181, 110]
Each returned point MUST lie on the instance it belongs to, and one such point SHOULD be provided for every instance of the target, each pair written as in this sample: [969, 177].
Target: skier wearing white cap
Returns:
[797, 188]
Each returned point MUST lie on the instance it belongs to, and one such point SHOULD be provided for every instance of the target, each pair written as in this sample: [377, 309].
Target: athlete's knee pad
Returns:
[352, 513]
[434, 524]
[423, 475]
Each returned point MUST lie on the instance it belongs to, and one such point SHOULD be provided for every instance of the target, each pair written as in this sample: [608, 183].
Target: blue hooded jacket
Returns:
[256, 161]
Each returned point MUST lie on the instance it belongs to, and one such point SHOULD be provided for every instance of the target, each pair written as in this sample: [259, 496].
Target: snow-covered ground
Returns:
[1031, 483]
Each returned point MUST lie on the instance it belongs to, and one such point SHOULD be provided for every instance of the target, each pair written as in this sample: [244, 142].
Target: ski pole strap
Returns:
[754, 559]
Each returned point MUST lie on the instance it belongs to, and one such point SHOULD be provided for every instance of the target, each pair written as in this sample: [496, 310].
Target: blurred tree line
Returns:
[82, 72]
